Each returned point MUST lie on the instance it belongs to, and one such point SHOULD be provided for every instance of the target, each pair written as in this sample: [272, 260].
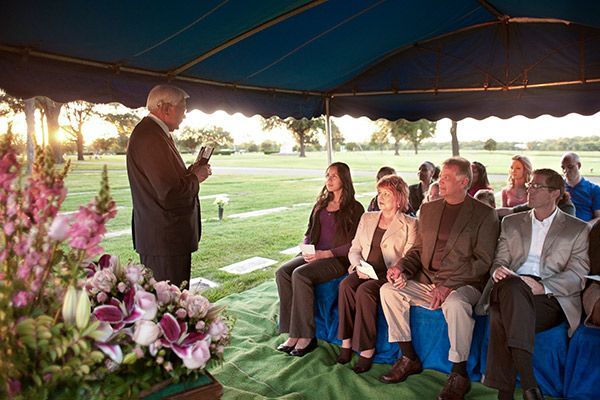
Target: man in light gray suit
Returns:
[536, 283]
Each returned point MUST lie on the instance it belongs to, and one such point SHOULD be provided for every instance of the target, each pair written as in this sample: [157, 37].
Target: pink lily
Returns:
[185, 344]
[119, 313]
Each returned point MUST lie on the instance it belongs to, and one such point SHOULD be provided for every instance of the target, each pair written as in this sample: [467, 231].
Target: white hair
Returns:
[164, 94]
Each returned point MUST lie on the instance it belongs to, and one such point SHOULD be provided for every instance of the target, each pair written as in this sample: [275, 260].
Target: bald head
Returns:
[570, 166]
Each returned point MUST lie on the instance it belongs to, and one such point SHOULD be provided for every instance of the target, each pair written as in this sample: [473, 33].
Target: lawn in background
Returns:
[232, 240]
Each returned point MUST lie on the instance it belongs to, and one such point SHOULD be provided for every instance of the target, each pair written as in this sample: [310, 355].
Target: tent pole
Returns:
[328, 132]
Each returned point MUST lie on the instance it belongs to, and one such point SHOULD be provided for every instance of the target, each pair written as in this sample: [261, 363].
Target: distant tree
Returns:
[215, 136]
[51, 111]
[78, 113]
[10, 106]
[304, 130]
[105, 145]
[412, 132]
[124, 122]
[269, 146]
[490, 145]
[454, 135]
[380, 138]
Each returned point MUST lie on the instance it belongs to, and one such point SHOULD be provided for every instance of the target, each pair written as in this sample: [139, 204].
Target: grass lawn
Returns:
[233, 240]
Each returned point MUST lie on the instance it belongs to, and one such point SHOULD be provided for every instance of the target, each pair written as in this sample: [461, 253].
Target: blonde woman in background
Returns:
[519, 174]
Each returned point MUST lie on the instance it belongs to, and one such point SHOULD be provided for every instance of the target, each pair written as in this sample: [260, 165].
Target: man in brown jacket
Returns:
[446, 269]
[166, 211]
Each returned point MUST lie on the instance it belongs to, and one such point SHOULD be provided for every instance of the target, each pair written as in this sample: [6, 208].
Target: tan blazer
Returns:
[469, 252]
[399, 237]
[563, 263]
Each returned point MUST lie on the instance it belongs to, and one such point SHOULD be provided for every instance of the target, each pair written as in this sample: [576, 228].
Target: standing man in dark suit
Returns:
[536, 283]
[166, 210]
[446, 268]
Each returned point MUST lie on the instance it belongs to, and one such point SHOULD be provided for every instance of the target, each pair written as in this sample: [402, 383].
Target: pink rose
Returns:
[181, 313]
[134, 274]
[122, 287]
[197, 306]
[166, 293]
[200, 325]
[102, 297]
[104, 280]
[59, 230]
[217, 330]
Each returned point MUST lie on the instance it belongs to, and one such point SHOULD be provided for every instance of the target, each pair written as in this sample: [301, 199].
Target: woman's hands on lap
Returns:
[319, 254]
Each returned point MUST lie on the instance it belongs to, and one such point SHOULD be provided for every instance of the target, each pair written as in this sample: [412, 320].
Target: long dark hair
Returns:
[344, 216]
[482, 180]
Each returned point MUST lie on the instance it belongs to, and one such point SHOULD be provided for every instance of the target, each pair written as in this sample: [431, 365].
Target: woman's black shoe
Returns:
[345, 356]
[363, 365]
[313, 344]
[286, 349]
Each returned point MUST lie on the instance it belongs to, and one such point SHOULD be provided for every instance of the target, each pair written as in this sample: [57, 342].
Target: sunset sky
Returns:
[248, 129]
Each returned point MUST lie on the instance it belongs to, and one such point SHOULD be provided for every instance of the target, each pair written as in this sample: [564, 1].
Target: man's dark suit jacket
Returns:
[469, 252]
[166, 210]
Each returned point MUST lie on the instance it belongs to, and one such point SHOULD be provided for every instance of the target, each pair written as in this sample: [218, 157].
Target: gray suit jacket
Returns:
[468, 253]
[563, 263]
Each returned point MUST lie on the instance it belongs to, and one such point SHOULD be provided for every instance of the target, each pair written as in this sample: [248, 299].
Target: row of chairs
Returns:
[564, 368]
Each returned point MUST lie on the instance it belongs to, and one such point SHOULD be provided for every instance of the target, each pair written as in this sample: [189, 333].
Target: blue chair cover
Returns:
[549, 358]
[430, 340]
[326, 310]
[582, 372]
[429, 330]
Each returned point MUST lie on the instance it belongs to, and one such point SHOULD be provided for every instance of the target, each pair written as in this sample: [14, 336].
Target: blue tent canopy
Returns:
[376, 58]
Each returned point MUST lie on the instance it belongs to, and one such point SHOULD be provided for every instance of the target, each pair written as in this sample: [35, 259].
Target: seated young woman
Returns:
[382, 239]
[331, 227]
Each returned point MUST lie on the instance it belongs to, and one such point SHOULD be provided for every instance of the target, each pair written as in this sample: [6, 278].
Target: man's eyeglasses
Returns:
[536, 186]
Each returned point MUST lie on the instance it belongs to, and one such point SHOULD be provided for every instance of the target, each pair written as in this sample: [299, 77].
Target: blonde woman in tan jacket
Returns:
[382, 238]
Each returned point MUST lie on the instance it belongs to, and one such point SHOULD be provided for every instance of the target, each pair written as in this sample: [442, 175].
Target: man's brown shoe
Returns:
[455, 388]
[402, 369]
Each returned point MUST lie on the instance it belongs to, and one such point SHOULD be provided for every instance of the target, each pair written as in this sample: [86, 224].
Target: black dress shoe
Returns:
[313, 344]
[286, 349]
[533, 394]
[345, 356]
[363, 365]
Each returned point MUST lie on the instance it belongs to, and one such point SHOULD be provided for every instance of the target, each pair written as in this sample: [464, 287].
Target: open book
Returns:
[366, 269]
[204, 155]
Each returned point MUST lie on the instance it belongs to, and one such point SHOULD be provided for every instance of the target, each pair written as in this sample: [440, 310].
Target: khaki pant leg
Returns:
[458, 312]
[396, 307]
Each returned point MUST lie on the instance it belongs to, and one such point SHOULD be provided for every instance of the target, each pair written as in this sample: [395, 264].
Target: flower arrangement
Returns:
[74, 328]
[221, 201]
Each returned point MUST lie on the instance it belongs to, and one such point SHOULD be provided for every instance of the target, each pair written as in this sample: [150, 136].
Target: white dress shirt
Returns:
[539, 231]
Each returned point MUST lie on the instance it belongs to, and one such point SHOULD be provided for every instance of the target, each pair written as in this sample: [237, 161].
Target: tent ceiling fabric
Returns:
[376, 58]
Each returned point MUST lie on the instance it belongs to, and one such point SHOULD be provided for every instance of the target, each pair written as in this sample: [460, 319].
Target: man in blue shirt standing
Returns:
[584, 194]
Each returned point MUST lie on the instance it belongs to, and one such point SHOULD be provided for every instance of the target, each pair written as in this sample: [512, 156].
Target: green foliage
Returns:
[269, 147]
[304, 130]
[412, 132]
[190, 139]
[490, 145]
